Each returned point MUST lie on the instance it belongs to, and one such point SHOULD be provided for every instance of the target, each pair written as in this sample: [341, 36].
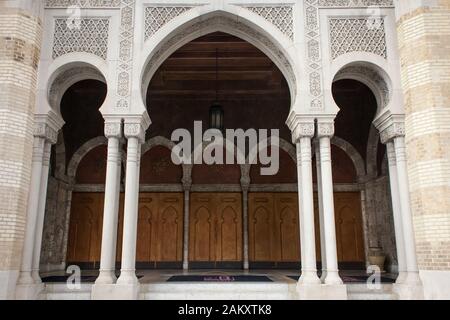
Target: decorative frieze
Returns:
[157, 17]
[365, 34]
[280, 16]
[125, 65]
[82, 3]
[89, 35]
[313, 54]
[356, 3]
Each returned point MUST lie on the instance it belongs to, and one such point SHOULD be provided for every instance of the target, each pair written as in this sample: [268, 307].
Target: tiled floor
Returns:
[279, 276]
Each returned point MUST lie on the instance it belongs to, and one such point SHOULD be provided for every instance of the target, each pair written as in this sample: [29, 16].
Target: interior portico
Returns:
[107, 196]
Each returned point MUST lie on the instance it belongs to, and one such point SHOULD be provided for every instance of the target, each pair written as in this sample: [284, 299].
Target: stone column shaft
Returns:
[111, 207]
[321, 217]
[398, 224]
[25, 277]
[309, 268]
[128, 270]
[187, 195]
[405, 204]
[329, 224]
[41, 211]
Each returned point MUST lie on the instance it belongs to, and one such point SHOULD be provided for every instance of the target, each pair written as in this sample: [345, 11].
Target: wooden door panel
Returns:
[170, 228]
[350, 243]
[229, 227]
[201, 228]
[147, 229]
[260, 226]
[273, 227]
[85, 228]
[215, 227]
[287, 213]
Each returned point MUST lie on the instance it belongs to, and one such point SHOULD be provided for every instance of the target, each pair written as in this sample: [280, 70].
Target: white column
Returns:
[321, 217]
[187, 195]
[398, 224]
[245, 225]
[325, 131]
[113, 131]
[25, 277]
[41, 211]
[134, 134]
[408, 228]
[309, 268]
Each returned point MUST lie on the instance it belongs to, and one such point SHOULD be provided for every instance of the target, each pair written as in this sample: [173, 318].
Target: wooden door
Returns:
[350, 241]
[160, 230]
[273, 229]
[215, 235]
[85, 234]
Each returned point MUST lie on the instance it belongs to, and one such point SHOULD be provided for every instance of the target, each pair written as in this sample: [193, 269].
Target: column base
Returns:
[322, 292]
[29, 291]
[405, 291]
[309, 278]
[106, 277]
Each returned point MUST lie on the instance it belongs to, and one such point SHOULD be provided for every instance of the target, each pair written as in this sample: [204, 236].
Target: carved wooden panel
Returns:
[350, 241]
[274, 227]
[215, 227]
[85, 228]
[160, 227]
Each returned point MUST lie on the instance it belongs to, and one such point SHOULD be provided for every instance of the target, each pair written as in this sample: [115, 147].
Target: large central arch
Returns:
[176, 34]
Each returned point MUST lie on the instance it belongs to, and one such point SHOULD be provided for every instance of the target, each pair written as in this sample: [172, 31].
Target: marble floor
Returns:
[162, 276]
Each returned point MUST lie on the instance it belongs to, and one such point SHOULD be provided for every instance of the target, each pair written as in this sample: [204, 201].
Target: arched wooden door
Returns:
[159, 236]
[274, 239]
[85, 232]
[215, 235]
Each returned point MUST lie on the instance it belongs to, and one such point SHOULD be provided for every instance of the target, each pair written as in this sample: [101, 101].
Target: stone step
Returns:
[217, 291]
[363, 292]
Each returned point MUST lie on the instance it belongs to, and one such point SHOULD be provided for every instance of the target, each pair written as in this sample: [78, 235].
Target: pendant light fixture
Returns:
[216, 113]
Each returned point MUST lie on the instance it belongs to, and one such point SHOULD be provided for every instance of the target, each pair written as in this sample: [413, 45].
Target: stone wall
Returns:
[424, 40]
[54, 239]
[20, 41]
[380, 221]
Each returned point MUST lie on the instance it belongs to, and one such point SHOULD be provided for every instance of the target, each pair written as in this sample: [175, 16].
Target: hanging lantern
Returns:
[216, 112]
[216, 115]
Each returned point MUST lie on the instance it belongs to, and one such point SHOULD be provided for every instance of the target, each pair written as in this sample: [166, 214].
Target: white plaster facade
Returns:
[304, 48]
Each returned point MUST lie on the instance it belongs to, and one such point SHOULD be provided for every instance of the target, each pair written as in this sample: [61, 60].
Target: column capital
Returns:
[394, 130]
[325, 128]
[135, 126]
[301, 126]
[113, 129]
[43, 130]
[47, 126]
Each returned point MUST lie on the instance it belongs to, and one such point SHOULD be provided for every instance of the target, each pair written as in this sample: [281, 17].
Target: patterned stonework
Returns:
[280, 16]
[82, 3]
[314, 55]
[86, 35]
[357, 34]
[356, 3]
[157, 17]
[125, 53]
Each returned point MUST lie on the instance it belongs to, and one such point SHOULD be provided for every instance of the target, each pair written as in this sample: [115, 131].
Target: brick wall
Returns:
[20, 39]
[424, 39]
